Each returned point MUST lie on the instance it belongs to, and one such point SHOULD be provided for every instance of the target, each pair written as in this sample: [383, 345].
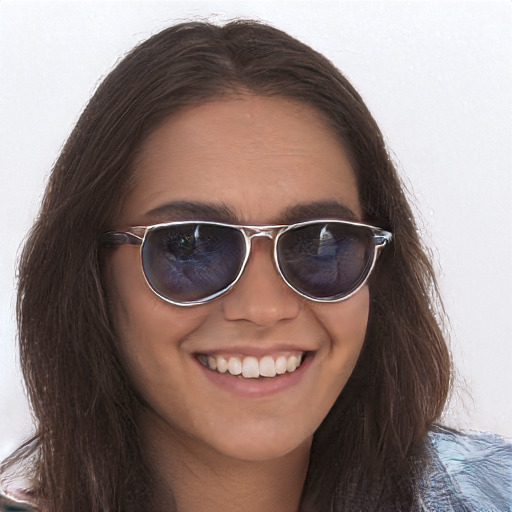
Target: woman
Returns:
[224, 303]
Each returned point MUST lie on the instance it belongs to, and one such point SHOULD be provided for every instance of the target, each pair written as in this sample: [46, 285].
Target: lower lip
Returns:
[262, 386]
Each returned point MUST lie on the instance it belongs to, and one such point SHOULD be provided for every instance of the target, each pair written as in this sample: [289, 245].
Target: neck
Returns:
[190, 476]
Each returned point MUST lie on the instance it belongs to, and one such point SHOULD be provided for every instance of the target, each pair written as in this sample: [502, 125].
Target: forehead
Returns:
[254, 157]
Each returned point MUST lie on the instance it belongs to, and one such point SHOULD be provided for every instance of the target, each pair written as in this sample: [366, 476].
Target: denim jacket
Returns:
[470, 473]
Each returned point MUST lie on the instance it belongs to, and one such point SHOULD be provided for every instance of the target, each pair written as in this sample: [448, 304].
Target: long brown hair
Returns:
[85, 455]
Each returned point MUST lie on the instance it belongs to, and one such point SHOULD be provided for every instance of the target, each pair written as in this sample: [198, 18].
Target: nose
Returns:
[261, 296]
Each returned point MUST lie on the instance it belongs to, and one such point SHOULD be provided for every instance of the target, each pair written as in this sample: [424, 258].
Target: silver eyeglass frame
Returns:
[137, 235]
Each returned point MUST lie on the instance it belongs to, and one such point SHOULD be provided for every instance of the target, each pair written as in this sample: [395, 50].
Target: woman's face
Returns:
[247, 160]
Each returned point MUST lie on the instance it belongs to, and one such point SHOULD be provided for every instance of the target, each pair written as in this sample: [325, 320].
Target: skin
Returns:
[252, 160]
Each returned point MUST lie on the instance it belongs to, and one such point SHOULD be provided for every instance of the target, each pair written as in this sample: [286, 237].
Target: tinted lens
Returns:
[326, 260]
[189, 262]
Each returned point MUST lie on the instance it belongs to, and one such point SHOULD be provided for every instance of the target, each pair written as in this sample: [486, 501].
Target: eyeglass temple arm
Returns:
[382, 237]
[115, 238]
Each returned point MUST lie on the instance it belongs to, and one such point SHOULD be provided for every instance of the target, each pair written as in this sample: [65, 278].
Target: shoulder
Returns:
[468, 472]
[11, 504]
[14, 480]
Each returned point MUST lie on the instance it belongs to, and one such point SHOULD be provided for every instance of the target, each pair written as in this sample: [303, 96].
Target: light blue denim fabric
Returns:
[468, 473]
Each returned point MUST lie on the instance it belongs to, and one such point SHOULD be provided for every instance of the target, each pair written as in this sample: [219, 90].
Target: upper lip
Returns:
[258, 350]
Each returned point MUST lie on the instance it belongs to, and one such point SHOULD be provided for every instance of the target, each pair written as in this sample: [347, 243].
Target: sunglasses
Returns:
[194, 262]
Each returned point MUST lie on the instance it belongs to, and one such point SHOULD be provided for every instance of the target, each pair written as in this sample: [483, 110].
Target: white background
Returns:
[436, 75]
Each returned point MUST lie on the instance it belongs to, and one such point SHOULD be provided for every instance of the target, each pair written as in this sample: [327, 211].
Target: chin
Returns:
[262, 446]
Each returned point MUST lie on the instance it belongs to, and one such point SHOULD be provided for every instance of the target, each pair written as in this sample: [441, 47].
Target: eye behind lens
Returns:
[191, 262]
[326, 261]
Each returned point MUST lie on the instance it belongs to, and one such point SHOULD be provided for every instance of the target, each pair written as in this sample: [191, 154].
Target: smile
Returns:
[251, 367]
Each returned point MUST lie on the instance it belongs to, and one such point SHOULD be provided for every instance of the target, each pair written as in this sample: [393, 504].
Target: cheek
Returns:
[347, 318]
[346, 323]
[135, 307]
[150, 330]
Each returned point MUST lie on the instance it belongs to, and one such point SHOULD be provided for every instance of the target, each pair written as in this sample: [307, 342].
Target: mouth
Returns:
[251, 367]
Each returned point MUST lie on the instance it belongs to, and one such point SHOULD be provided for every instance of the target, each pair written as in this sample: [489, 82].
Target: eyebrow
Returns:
[195, 210]
[191, 210]
[318, 210]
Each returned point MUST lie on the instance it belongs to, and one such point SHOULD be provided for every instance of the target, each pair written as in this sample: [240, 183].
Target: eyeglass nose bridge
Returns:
[260, 232]
[271, 232]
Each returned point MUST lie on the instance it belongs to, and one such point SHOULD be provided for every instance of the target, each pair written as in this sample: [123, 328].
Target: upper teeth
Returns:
[251, 367]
